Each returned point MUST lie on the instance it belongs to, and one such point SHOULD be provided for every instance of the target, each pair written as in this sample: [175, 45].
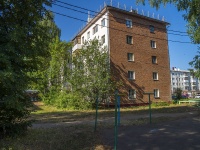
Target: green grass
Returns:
[62, 138]
[80, 136]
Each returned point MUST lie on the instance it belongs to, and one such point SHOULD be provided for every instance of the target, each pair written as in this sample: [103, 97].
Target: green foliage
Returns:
[69, 101]
[160, 103]
[178, 93]
[196, 65]
[23, 41]
[91, 72]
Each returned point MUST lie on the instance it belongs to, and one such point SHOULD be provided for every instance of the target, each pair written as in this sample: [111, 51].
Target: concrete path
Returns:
[182, 134]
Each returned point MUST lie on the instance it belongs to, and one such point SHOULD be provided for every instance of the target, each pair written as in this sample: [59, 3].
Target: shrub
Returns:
[160, 103]
[70, 101]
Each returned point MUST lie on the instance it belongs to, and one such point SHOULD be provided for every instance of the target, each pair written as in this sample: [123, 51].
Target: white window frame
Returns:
[129, 39]
[155, 75]
[154, 59]
[129, 23]
[95, 29]
[130, 56]
[88, 34]
[156, 93]
[131, 94]
[103, 40]
[153, 44]
[103, 22]
[131, 75]
[83, 40]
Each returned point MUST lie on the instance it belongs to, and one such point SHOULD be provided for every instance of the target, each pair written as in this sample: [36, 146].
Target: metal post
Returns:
[96, 114]
[118, 112]
[149, 93]
[149, 108]
[116, 94]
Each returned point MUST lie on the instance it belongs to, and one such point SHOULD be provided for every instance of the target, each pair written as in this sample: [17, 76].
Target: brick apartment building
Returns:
[138, 50]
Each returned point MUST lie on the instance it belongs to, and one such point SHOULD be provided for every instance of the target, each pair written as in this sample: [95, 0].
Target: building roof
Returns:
[107, 8]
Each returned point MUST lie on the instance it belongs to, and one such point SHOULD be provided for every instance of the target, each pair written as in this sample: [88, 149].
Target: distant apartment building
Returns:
[138, 52]
[185, 81]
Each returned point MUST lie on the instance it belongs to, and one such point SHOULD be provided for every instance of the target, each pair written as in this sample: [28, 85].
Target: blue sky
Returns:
[180, 53]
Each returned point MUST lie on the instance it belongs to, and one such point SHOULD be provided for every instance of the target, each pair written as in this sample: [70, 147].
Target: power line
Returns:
[101, 13]
[111, 19]
[118, 29]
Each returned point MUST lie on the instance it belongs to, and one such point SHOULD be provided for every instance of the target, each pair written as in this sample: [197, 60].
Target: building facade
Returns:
[138, 52]
[184, 80]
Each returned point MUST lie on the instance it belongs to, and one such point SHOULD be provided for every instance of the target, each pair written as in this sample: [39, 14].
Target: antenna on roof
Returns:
[89, 18]
[124, 7]
[118, 4]
[142, 12]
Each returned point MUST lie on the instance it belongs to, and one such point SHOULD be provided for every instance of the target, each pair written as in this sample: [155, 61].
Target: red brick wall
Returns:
[143, 53]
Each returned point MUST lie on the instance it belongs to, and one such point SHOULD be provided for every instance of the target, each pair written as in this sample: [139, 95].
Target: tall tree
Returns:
[90, 73]
[23, 40]
[192, 14]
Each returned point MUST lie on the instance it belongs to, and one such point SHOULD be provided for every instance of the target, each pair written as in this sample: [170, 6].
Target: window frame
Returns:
[95, 29]
[132, 56]
[153, 44]
[129, 39]
[103, 22]
[88, 34]
[83, 39]
[155, 74]
[132, 94]
[154, 60]
[103, 39]
[151, 29]
[131, 75]
[156, 93]
[129, 23]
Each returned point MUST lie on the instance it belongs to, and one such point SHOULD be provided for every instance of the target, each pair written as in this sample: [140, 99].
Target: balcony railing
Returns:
[77, 46]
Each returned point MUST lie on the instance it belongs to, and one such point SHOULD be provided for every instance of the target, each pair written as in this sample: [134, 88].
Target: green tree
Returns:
[23, 41]
[178, 93]
[195, 63]
[91, 72]
[192, 14]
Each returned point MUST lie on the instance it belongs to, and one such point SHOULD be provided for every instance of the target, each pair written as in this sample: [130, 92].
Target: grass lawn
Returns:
[75, 137]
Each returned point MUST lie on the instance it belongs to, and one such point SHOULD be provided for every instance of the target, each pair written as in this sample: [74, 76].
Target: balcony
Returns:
[75, 47]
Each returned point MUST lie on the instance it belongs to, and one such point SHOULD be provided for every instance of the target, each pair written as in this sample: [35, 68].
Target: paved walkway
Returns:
[182, 134]
[110, 120]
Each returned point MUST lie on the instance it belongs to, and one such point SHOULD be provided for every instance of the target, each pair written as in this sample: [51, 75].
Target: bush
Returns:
[160, 103]
[70, 101]
[14, 116]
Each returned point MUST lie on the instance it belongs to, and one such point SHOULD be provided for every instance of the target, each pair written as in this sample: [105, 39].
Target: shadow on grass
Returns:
[69, 116]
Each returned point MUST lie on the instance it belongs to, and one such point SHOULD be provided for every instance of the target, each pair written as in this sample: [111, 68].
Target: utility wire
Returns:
[100, 13]
[111, 19]
[118, 29]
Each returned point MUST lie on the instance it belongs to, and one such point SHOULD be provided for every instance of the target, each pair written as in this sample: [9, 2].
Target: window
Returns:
[153, 44]
[128, 23]
[95, 29]
[130, 57]
[154, 60]
[88, 35]
[131, 75]
[156, 93]
[131, 94]
[83, 40]
[129, 39]
[155, 76]
[151, 28]
[103, 23]
[103, 39]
